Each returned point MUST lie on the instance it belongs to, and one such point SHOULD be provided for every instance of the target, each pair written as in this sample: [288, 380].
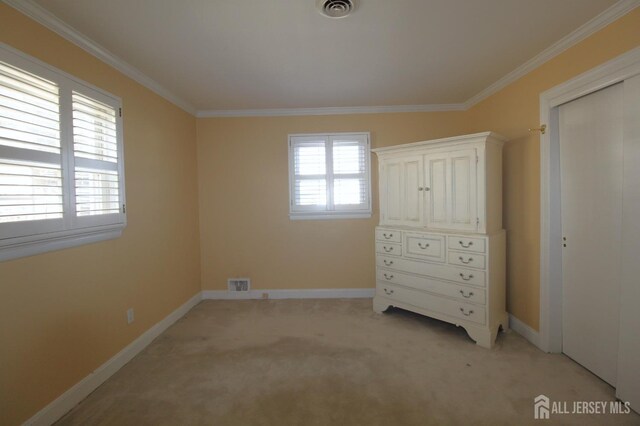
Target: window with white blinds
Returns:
[329, 176]
[61, 163]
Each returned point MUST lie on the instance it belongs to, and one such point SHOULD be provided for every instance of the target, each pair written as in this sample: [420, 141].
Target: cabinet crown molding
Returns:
[489, 137]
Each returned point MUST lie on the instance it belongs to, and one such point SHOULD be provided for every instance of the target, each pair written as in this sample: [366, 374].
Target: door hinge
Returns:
[120, 112]
[124, 208]
[477, 221]
[476, 159]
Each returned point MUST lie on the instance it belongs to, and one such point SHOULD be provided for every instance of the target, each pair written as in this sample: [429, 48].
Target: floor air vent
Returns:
[239, 284]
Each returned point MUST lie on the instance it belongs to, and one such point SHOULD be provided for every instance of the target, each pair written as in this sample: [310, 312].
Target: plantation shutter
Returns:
[31, 184]
[329, 175]
[310, 173]
[96, 154]
[350, 176]
[61, 159]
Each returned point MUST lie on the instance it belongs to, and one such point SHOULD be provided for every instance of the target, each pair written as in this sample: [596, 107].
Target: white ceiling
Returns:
[254, 54]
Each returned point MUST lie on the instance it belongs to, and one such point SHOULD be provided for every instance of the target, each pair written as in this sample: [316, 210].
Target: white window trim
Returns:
[340, 212]
[37, 236]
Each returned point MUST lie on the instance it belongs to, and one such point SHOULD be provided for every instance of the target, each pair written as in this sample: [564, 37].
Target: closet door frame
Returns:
[620, 69]
[623, 67]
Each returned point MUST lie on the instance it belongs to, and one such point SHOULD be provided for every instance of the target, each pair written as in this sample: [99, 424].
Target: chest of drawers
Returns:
[454, 278]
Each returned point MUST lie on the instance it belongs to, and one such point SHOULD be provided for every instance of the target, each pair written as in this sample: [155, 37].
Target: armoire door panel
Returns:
[412, 195]
[436, 187]
[393, 192]
[463, 190]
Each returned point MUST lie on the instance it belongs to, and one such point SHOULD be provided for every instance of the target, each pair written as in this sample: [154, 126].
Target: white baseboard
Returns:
[318, 293]
[525, 331]
[65, 402]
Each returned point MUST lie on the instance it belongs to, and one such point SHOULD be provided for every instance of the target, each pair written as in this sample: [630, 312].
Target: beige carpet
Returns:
[334, 362]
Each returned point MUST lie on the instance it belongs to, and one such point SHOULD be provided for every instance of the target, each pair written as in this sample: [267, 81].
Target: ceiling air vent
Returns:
[336, 8]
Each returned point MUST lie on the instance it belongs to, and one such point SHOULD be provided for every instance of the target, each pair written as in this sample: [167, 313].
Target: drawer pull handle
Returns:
[388, 277]
[387, 236]
[388, 291]
[466, 314]
[467, 296]
[465, 262]
[465, 246]
[466, 278]
[423, 245]
[388, 262]
[388, 249]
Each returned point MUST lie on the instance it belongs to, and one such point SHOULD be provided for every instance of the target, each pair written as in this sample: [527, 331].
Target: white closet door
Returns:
[591, 164]
[628, 386]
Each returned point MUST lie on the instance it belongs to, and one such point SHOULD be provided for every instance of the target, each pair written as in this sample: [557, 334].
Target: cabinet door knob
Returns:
[426, 188]
[420, 188]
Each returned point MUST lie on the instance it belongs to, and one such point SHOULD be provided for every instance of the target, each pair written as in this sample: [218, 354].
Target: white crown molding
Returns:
[275, 112]
[605, 18]
[46, 18]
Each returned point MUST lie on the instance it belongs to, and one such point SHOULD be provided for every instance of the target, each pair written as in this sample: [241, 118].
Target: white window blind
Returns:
[95, 148]
[61, 162]
[30, 171]
[329, 176]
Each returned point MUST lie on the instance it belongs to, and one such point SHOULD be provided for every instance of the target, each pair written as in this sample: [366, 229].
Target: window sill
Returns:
[328, 216]
[14, 248]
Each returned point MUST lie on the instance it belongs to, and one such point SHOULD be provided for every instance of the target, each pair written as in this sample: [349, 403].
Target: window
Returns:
[329, 176]
[61, 164]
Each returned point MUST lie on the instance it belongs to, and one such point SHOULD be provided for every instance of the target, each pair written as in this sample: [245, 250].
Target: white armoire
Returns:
[440, 246]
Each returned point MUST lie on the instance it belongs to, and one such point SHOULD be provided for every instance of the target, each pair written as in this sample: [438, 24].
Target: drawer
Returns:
[468, 294]
[424, 246]
[442, 305]
[444, 272]
[390, 235]
[470, 260]
[389, 248]
[477, 245]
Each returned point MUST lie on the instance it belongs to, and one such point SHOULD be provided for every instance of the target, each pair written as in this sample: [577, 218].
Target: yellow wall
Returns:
[511, 112]
[244, 201]
[242, 162]
[62, 314]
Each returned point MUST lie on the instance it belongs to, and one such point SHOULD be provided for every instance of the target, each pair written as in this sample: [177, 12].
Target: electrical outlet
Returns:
[130, 316]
